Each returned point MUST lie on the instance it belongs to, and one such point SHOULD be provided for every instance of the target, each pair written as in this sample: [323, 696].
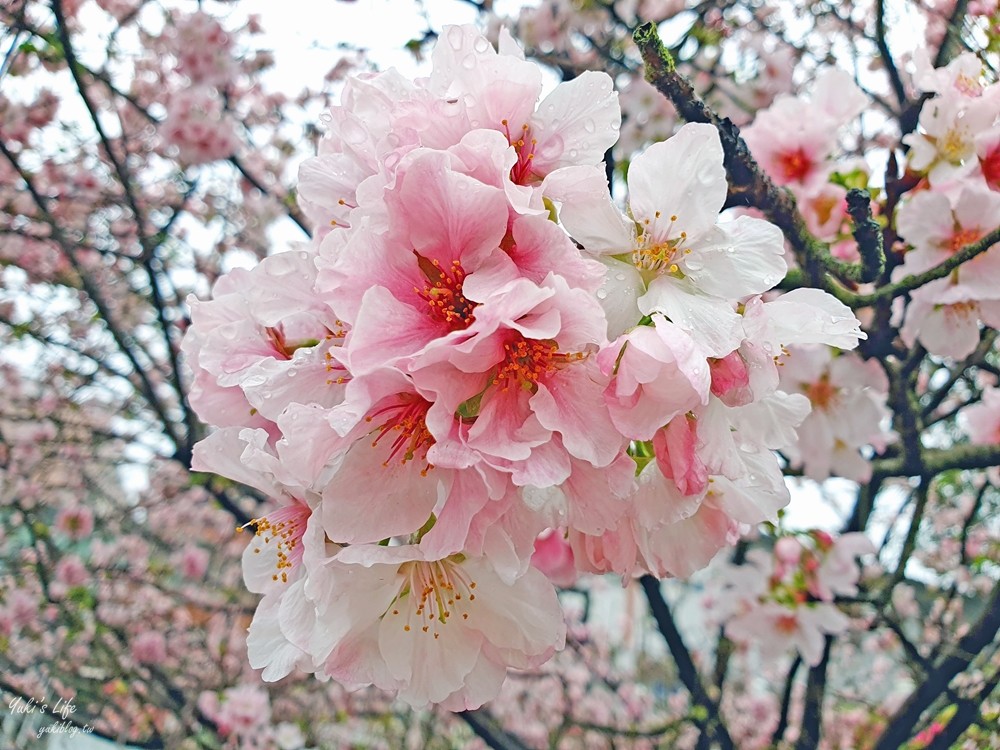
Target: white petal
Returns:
[682, 177]
[712, 323]
[576, 123]
[587, 211]
[742, 257]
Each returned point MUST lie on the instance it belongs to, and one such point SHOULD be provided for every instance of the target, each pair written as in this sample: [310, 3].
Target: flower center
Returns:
[431, 594]
[527, 361]
[822, 394]
[285, 528]
[796, 165]
[443, 293]
[953, 145]
[406, 420]
[786, 624]
[962, 238]
[654, 258]
[524, 146]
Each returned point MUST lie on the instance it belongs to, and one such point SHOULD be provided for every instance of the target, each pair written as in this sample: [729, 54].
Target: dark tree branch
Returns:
[786, 701]
[812, 715]
[900, 727]
[145, 385]
[968, 711]
[748, 183]
[898, 90]
[934, 461]
[915, 281]
[489, 730]
[867, 234]
[713, 724]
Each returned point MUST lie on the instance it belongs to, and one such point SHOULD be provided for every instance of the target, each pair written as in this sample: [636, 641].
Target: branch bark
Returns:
[712, 725]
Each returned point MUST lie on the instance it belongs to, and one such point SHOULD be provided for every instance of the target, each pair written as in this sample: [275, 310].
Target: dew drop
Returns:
[730, 249]
[469, 62]
[589, 125]
[455, 37]
[481, 45]
[602, 294]
[619, 277]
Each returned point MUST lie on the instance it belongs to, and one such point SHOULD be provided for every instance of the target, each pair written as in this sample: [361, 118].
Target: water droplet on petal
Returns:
[469, 62]
[730, 249]
[481, 45]
[619, 277]
[602, 293]
[589, 125]
[455, 37]
[694, 264]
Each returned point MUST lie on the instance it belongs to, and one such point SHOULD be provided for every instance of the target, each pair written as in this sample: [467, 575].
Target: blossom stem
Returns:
[915, 281]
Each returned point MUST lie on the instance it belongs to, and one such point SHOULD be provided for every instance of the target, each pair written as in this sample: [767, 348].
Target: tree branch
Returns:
[901, 725]
[812, 716]
[489, 730]
[712, 724]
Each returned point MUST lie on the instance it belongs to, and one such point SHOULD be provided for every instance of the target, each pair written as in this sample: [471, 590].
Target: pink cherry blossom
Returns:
[441, 631]
[982, 420]
[553, 556]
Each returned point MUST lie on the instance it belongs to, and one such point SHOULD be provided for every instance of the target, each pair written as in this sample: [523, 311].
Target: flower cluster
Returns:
[958, 151]
[787, 597]
[848, 398]
[797, 141]
[480, 348]
[196, 123]
[197, 126]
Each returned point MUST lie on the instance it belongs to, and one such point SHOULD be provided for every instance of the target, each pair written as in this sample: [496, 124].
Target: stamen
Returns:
[524, 146]
[527, 361]
[431, 594]
[407, 418]
[443, 293]
[285, 526]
